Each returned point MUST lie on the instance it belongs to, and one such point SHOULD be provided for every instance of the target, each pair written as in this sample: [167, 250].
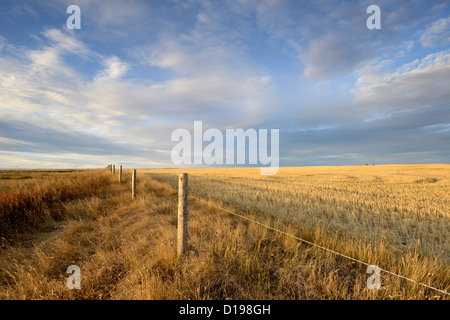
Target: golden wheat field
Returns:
[395, 217]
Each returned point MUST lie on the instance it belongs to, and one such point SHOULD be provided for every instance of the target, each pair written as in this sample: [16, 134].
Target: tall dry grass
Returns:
[127, 250]
[30, 204]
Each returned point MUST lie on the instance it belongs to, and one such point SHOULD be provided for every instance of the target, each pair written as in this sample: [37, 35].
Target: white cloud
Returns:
[41, 91]
[410, 46]
[437, 33]
[214, 80]
[194, 55]
[66, 42]
[21, 8]
[417, 85]
[202, 18]
[10, 141]
[114, 69]
[331, 55]
[2, 43]
[106, 14]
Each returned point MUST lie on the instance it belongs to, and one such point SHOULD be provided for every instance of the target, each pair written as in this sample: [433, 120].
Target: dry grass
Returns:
[126, 249]
[16, 179]
[39, 200]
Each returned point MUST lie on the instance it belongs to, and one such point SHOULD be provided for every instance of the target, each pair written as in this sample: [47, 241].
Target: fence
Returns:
[182, 228]
[112, 169]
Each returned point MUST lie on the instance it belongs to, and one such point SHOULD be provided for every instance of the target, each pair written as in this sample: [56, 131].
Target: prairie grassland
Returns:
[127, 249]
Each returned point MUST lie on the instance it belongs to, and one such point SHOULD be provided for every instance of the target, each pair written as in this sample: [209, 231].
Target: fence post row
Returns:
[133, 184]
[182, 229]
[182, 237]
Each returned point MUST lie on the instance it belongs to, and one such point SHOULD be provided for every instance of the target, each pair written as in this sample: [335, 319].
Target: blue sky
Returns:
[114, 91]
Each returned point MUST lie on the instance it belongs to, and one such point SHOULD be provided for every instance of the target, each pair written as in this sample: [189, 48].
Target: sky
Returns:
[115, 90]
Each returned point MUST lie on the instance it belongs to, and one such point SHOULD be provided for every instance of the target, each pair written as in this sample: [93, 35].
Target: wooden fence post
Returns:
[133, 184]
[120, 174]
[182, 237]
